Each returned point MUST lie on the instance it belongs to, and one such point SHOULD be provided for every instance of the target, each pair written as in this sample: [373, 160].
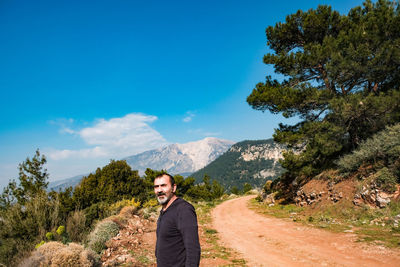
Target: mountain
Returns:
[180, 158]
[65, 183]
[252, 162]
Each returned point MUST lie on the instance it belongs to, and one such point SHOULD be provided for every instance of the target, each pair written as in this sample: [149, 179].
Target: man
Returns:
[177, 235]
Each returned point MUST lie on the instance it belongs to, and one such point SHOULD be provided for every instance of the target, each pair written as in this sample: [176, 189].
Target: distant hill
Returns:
[252, 162]
[65, 183]
[180, 158]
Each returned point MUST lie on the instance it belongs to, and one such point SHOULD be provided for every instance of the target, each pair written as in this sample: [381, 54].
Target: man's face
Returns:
[163, 189]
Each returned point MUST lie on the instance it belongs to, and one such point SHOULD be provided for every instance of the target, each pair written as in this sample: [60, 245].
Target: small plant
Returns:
[41, 243]
[49, 236]
[103, 231]
[381, 151]
[386, 180]
[267, 187]
[210, 231]
[61, 230]
[150, 203]
[62, 235]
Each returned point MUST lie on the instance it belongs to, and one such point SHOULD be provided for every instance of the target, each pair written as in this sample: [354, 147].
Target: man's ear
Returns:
[174, 189]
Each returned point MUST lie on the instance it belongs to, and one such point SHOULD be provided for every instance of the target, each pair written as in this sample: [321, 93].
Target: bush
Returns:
[103, 231]
[206, 190]
[386, 180]
[128, 211]
[22, 227]
[57, 254]
[49, 236]
[117, 206]
[76, 226]
[61, 230]
[268, 187]
[40, 244]
[246, 188]
[150, 203]
[383, 147]
[113, 182]
[97, 211]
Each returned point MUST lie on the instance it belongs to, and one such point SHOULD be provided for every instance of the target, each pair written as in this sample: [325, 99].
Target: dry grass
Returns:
[128, 211]
[56, 254]
[76, 226]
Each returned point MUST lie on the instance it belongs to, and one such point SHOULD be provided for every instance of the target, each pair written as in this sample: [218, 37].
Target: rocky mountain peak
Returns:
[180, 158]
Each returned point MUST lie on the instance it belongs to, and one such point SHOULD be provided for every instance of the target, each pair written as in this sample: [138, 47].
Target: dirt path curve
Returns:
[268, 241]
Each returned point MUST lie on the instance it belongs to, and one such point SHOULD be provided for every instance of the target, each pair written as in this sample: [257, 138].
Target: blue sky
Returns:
[90, 81]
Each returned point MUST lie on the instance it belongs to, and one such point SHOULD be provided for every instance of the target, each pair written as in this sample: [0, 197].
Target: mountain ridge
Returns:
[181, 159]
[248, 161]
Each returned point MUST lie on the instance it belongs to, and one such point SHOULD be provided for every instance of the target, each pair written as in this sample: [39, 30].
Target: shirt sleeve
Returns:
[187, 225]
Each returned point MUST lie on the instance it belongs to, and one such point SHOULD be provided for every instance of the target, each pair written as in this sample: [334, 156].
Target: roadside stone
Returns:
[270, 198]
[382, 200]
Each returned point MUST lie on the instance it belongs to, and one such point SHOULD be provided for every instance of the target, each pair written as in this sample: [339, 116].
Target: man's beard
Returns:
[165, 199]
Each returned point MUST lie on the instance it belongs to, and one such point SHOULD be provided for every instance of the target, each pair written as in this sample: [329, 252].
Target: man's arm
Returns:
[187, 225]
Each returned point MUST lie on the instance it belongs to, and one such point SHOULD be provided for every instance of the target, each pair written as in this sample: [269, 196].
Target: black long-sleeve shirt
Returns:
[177, 236]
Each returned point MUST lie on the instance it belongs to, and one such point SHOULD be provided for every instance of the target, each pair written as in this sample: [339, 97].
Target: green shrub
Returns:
[267, 187]
[206, 190]
[103, 231]
[49, 236]
[41, 243]
[383, 147]
[61, 230]
[150, 203]
[246, 188]
[386, 180]
[97, 211]
[235, 190]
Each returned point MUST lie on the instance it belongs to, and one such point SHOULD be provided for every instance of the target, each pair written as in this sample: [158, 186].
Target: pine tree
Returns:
[341, 79]
[32, 181]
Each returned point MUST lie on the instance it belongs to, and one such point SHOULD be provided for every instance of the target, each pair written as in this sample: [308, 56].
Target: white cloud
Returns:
[67, 130]
[188, 117]
[114, 138]
[64, 125]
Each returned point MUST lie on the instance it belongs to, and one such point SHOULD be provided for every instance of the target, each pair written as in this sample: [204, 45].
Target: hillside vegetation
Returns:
[30, 216]
[247, 162]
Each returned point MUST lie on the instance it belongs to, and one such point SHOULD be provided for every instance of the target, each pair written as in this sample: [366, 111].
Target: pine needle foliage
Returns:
[341, 80]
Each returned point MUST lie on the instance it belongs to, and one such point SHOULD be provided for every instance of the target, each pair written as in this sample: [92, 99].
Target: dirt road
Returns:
[268, 241]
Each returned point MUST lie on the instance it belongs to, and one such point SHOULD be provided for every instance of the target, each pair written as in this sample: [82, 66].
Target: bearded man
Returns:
[177, 230]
